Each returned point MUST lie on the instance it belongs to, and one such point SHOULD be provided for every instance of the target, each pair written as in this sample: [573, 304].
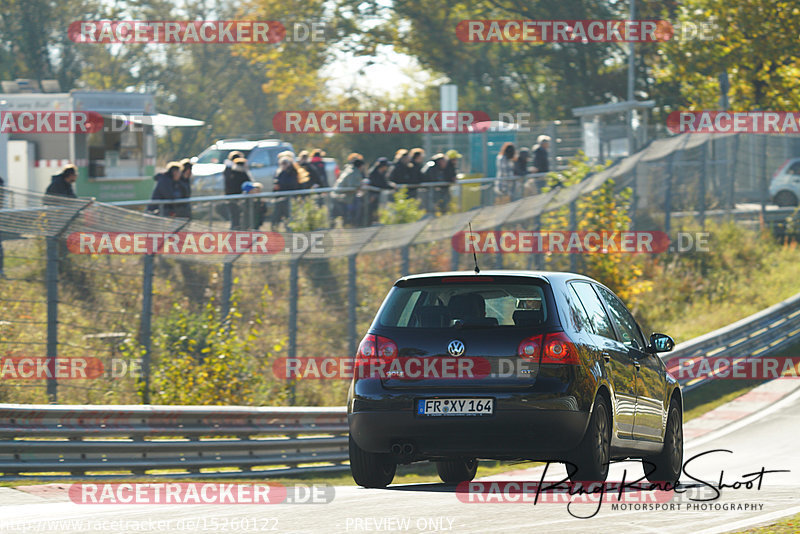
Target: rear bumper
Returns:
[507, 434]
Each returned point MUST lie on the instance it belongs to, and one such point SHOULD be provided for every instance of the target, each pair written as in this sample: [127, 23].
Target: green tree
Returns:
[754, 41]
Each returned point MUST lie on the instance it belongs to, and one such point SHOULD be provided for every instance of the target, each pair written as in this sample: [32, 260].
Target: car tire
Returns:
[458, 470]
[369, 469]
[593, 456]
[786, 199]
[666, 466]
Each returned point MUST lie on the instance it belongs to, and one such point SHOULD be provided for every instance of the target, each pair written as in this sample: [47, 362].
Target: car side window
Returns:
[598, 318]
[631, 336]
[260, 156]
[795, 168]
[577, 313]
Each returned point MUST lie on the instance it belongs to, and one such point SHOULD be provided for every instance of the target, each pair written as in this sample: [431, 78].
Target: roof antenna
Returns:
[474, 255]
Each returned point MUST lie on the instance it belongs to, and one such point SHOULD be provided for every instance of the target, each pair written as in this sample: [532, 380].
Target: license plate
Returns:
[445, 407]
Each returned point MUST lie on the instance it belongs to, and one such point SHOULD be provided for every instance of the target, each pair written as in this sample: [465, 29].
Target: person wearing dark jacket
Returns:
[184, 185]
[237, 175]
[314, 177]
[289, 177]
[377, 178]
[401, 171]
[166, 189]
[434, 171]
[416, 159]
[319, 165]
[541, 159]
[61, 184]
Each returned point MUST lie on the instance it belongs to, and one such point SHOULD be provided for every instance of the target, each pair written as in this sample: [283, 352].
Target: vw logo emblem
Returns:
[455, 348]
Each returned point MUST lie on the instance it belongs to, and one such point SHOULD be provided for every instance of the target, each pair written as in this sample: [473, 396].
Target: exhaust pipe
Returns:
[403, 451]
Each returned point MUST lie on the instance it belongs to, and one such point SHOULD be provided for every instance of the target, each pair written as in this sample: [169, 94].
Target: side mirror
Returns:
[194, 159]
[660, 343]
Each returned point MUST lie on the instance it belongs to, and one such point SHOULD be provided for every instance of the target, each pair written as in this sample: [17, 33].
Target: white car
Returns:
[784, 189]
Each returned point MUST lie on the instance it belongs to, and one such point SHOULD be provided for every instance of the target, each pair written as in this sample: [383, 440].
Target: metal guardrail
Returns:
[46, 441]
[760, 334]
[57, 442]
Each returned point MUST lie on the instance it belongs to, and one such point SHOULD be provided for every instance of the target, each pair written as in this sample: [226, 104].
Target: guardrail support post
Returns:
[51, 277]
[145, 324]
[352, 333]
[294, 276]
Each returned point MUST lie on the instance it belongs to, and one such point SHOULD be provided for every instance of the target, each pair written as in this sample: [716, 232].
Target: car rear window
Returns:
[474, 304]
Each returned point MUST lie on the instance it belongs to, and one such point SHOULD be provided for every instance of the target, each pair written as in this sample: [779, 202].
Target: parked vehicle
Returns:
[262, 161]
[567, 376]
[784, 189]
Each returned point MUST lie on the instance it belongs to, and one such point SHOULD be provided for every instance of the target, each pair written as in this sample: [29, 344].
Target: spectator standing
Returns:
[232, 187]
[319, 164]
[416, 162]
[505, 167]
[255, 209]
[378, 177]
[61, 184]
[166, 190]
[451, 176]
[401, 171]
[314, 178]
[185, 189]
[541, 156]
[345, 203]
[521, 170]
[433, 171]
[289, 177]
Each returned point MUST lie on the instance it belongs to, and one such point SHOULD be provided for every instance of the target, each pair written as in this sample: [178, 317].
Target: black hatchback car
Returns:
[510, 365]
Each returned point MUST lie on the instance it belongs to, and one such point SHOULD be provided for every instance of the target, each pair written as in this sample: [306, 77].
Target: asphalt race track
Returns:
[766, 439]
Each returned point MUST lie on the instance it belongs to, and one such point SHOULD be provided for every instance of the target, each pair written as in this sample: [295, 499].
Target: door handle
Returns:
[636, 364]
[606, 356]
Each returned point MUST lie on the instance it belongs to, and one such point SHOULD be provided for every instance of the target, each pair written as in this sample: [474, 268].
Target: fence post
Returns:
[293, 295]
[454, 258]
[227, 286]
[537, 259]
[405, 262]
[763, 184]
[573, 227]
[668, 195]
[701, 209]
[145, 323]
[51, 278]
[352, 334]
[732, 175]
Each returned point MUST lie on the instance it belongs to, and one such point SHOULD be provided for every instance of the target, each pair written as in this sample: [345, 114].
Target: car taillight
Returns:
[530, 348]
[379, 347]
[558, 348]
[336, 171]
